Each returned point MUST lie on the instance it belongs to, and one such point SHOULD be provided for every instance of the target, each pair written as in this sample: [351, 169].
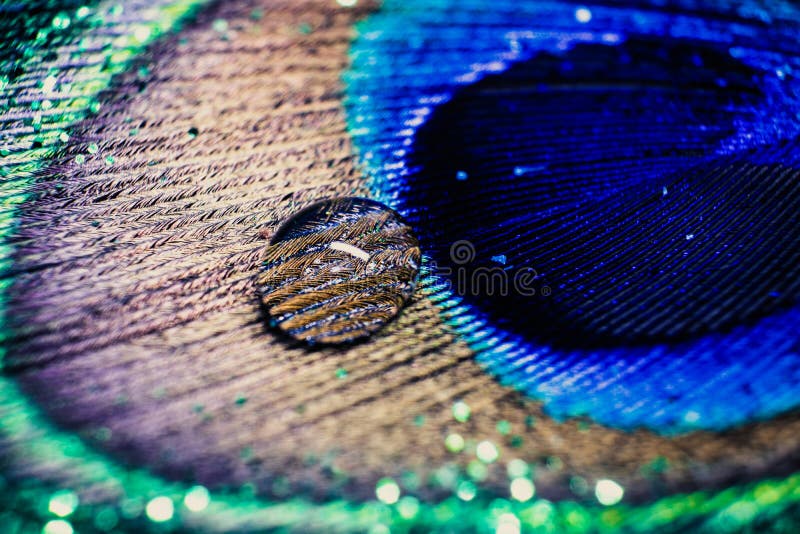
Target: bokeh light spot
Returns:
[63, 503]
[387, 491]
[197, 499]
[160, 509]
[608, 492]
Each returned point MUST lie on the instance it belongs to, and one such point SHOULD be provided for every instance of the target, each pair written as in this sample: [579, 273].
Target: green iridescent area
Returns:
[135, 500]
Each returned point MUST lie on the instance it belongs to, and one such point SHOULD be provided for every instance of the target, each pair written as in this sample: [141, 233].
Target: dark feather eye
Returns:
[491, 266]
[608, 171]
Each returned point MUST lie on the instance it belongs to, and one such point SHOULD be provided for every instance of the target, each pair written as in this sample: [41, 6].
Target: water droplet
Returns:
[366, 265]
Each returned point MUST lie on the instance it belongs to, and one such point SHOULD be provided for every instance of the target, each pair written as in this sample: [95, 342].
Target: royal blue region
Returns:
[412, 57]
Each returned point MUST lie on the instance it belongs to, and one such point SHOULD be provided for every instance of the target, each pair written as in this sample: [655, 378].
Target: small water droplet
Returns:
[338, 271]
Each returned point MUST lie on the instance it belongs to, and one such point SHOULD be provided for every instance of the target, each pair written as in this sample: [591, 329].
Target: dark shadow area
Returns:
[600, 169]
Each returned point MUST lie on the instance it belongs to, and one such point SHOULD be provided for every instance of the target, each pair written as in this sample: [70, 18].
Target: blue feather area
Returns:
[640, 166]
